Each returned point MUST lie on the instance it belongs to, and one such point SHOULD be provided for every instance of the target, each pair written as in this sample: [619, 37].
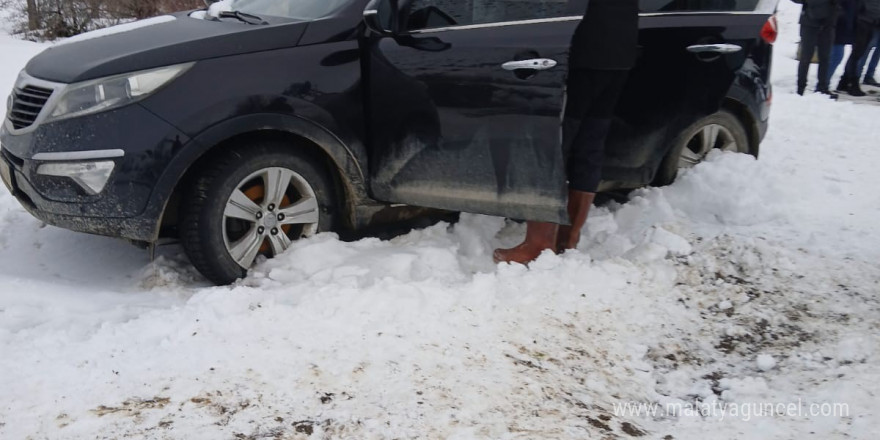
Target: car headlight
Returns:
[112, 92]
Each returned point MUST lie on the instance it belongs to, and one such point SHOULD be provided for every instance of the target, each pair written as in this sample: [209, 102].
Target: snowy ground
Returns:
[747, 282]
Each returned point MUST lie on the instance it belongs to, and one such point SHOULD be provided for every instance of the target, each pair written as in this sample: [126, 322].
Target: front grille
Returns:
[27, 103]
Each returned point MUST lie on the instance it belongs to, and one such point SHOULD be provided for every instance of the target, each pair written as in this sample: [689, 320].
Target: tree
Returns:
[33, 15]
[51, 19]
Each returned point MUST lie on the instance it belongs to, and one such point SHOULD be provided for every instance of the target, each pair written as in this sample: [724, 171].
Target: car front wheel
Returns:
[250, 201]
[721, 130]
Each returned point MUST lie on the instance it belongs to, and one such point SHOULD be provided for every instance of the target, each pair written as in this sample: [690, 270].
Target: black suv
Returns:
[257, 122]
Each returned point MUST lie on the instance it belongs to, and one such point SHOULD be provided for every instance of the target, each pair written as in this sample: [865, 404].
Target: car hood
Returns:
[156, 42]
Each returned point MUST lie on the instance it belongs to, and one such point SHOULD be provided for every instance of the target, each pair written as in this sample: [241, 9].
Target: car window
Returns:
[697, 5]
[429, 14]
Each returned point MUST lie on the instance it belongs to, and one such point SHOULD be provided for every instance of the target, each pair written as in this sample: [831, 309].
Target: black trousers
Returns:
[864, 30]
[592, 97]
[812, 38]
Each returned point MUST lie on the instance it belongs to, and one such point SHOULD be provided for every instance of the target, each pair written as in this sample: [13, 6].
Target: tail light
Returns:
[770, 30]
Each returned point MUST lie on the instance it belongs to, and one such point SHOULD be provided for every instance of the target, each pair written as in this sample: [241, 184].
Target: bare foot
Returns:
[522, 254]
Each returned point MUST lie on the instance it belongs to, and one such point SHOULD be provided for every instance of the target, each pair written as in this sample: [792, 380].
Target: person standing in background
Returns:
[818, 20]
[844, 34]
[603, 50]
[867, 22]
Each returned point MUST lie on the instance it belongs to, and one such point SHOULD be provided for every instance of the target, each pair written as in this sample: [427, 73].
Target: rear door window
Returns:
[697, 5]
[432, 14]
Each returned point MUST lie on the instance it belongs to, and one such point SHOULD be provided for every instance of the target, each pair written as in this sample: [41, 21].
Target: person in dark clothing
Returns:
[867, 21]
[844, 34]
[604, 48]
[818, 20]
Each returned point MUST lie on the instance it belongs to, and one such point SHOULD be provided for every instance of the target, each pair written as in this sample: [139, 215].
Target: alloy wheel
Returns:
[709, 137]
[266, 212]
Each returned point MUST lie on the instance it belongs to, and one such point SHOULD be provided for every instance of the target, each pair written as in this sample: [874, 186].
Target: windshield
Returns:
[299, 9]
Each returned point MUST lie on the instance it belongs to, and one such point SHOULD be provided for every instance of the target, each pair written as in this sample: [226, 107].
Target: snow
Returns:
[765, 362]
[16, 54]
[120, 28]
[213, 11]
[6, 21]
[745, 282]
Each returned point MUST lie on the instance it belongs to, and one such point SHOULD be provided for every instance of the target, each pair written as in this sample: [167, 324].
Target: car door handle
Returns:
[533, 64]
[714, 48]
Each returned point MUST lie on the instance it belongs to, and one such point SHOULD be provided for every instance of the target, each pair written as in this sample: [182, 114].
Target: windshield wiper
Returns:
[243, 16]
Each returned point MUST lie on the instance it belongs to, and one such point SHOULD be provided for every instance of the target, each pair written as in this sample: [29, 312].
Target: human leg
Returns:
[584, 175]
[872, 43]
[579, 204]
[587, 155]
[541, 236]
[837, 51]
[823, 45]
[850, 80]
[875, 59]
[809, 39]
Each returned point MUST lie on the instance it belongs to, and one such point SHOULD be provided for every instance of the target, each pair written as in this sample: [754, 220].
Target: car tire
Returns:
[722, 130]
[238, 207]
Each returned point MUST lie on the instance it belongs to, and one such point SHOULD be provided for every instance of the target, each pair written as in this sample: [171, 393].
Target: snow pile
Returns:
[15, 55]
[113, 30]
[766, 362]
[745, 282]
[213, 11]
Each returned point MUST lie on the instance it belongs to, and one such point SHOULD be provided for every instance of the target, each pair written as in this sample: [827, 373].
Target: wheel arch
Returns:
[748, 121]
[666, 172]
[307, 136]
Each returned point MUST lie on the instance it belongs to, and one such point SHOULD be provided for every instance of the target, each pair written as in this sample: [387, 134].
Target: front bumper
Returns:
[123, 208]
[139, 228]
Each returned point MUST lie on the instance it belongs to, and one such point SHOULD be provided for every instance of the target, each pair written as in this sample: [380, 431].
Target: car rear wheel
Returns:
[252, 201]
[721, 130]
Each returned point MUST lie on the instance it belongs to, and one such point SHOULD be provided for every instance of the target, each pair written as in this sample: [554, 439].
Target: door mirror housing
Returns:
[383, 17]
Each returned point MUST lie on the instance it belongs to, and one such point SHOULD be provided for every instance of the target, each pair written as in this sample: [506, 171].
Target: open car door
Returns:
[465, 104]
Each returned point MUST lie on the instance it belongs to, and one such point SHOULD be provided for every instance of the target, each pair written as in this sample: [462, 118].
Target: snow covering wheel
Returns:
[721, 130]
[252, 201]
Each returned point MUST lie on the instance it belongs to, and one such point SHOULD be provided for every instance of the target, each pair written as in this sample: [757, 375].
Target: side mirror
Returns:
[382, 17]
